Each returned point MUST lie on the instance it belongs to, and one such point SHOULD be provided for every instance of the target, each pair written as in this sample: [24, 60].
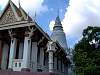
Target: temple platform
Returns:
[2, 72]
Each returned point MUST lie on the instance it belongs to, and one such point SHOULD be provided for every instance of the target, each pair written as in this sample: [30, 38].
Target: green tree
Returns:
[87, 52]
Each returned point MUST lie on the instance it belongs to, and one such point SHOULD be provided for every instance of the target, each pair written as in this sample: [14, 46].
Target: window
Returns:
[15, 64]
[19, 64]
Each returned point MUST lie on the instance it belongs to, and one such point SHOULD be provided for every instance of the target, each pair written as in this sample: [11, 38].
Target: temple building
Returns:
[24, 46]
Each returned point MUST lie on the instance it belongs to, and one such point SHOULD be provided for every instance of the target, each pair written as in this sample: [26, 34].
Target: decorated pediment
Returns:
[12, 14]
[8, 16]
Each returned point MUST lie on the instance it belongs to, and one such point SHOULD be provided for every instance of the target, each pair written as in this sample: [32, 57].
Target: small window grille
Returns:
[15, 64]
[19, 64]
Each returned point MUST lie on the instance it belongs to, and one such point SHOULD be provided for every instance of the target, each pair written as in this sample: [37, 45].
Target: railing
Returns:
[17, 64]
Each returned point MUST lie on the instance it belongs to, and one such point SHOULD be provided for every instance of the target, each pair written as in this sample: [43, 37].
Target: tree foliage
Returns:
[87, 52]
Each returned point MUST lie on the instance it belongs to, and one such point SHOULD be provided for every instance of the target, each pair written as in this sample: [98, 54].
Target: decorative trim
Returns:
[30, 32]
[12, 34]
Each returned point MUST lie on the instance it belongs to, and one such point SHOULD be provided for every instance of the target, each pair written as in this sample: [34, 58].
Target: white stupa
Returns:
[58, 34]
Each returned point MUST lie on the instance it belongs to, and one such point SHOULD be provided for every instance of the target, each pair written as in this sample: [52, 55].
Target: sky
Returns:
[75, 15]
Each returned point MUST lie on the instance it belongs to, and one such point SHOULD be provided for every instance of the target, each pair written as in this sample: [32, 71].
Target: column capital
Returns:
[13, 46]
[51, 46]
[11, 33]
[29, 32]
[41, 40]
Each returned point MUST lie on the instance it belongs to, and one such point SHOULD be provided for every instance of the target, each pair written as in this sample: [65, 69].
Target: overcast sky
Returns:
[75, 15]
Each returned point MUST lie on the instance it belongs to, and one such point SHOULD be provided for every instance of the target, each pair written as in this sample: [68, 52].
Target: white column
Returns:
[41, 56]
[51, 49]
[34, 55]
[50, 61]
[12, 52]
[26, 53]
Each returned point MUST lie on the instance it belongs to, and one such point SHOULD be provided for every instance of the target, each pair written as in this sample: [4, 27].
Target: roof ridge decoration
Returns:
[15, 9]
[24, 14]
[22, 11]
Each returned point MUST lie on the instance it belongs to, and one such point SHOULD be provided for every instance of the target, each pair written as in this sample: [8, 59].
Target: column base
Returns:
[25, 69]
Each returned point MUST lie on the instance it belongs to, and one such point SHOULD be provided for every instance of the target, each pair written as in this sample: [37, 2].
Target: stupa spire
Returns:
[57, 25]
[58, 33]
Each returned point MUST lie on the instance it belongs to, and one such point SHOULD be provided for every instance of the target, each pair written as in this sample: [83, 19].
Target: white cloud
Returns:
[79, 15]
[51, 25]
[34, 5]
[30, 6]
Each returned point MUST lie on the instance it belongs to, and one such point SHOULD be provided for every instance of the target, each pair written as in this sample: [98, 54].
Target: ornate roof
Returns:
[14, 17]
[12, 13]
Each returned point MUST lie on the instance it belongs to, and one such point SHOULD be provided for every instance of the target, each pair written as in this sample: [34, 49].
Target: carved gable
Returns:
[8, 17]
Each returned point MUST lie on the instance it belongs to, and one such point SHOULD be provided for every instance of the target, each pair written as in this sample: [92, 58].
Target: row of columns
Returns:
[51, 49]
[60, 65]
[12, 52]
[26, 53]
[55, 62]
[29, 53]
